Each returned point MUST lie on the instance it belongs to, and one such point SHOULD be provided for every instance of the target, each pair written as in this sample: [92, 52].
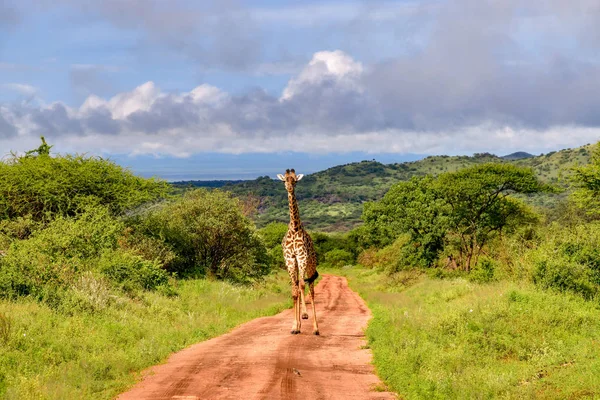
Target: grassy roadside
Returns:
[46, 355]
[454, 339]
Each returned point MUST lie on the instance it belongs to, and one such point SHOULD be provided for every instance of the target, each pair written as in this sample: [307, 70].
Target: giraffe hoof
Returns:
[294, 332]
[305, 316]
[316, 333]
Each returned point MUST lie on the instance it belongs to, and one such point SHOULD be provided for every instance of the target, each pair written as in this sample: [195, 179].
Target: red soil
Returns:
[262, 360]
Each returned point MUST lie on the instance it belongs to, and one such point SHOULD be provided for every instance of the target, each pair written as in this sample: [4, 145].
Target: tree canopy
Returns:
[457, 212]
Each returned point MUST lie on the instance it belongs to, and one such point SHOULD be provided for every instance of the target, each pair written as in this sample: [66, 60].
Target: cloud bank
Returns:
[466, 75]
[335, 104]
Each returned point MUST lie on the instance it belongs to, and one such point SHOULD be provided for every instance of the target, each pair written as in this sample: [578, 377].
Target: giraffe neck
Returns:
[294, 212]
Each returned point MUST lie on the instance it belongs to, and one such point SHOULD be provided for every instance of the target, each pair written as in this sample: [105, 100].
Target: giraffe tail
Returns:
[312, 278]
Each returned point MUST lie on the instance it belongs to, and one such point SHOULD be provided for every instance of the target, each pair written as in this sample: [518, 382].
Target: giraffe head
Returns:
[290, 178]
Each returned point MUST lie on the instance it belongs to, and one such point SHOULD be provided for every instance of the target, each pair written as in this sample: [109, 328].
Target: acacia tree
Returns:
[479, 207]
[463, 209]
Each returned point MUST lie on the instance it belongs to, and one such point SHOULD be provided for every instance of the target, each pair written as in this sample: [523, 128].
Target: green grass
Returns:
[454, 339]
[47, 355]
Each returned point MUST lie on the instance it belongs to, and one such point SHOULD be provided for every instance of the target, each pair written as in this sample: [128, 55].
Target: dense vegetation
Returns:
[515, 312]
[332, 200]
[455, 212]
[457, 339]
[104, 273]
[472, 219]
[483, 272]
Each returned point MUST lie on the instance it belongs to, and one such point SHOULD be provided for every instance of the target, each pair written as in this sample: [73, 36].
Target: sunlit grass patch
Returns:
[458, 339]
[97, 355]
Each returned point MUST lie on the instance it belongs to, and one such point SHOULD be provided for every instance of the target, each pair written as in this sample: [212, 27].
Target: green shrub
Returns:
[58, 264]
[326, 242]
[131, 271]
[148, 247]
[43, 187]
[272, 236]
[338, 258]
[16, 229]
[569, 259]
[276, 259]
[484, 271]
[586, 179]
[397, 256]
[57, 255]
[208, 234]
[565, 275]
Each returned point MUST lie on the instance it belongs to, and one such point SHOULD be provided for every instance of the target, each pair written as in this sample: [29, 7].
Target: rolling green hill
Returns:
[331, 200]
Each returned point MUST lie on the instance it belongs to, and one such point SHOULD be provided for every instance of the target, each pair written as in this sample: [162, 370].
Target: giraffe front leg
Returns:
[311, 289]
[302, 294]
[293, 272]
[296, 298]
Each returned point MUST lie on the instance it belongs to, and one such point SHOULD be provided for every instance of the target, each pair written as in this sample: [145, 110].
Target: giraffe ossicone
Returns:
[300, 256]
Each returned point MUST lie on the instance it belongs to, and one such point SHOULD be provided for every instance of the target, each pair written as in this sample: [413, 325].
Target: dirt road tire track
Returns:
[261, 360]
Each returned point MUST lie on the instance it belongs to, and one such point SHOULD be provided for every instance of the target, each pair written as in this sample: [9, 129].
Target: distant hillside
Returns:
[331, 200]
[517, 156]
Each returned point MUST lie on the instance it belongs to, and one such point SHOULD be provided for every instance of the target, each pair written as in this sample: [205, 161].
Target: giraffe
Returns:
[300, 256]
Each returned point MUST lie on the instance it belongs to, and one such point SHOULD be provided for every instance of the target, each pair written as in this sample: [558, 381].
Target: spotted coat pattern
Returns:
[300, 256]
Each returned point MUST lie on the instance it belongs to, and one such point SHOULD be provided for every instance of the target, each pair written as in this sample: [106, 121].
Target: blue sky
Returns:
[254, 86]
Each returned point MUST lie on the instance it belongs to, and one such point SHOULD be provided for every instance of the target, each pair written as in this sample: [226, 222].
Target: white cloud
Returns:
[332, 65]
[333, 104]
[140, 99]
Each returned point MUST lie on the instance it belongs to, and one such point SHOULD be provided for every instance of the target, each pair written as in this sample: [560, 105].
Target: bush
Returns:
[208, 235]
[150, 248]
[569, 259]
[398, 256]
[368, 258]
[132, 272]
[16, 229]
[564, 275]
[484, 271]
[50, 264]
[43, 187]
[272, 236]
[58, 254]
[338, 258]
[324, 243]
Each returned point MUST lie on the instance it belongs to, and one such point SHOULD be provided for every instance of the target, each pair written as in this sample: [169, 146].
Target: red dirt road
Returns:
[262, 360]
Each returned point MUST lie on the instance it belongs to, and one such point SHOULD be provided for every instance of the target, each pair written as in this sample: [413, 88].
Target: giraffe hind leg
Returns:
[311, 289]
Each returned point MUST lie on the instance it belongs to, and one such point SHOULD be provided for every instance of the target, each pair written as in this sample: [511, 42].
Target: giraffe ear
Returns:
[299, 176]
[281, 177]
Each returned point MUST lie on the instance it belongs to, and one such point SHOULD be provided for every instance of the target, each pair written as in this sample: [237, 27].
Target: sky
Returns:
[225, 89]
